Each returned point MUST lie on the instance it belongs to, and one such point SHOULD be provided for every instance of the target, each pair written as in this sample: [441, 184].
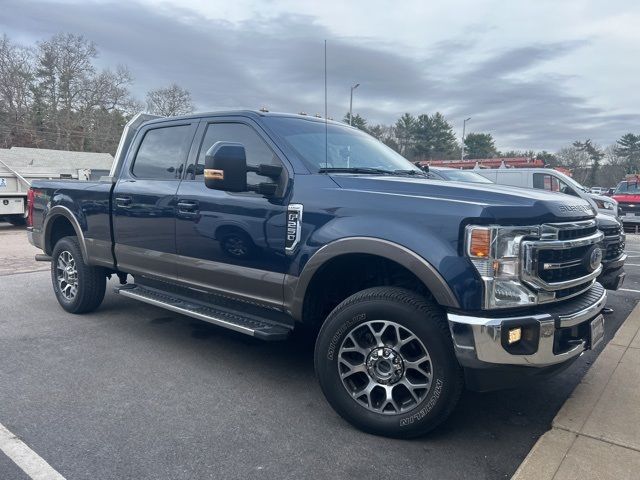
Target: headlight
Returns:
[495, 253]
[604, 204]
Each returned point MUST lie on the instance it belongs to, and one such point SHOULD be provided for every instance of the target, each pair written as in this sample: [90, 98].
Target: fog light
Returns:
[515, 334]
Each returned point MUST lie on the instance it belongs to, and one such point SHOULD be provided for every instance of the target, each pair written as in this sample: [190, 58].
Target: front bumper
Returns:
[552, 334]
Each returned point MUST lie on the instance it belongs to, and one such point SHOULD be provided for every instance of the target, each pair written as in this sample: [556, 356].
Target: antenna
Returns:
[326, 125]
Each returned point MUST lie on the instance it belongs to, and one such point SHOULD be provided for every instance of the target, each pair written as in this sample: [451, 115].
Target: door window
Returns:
[551, 183]
[162, 153]
[257, 150]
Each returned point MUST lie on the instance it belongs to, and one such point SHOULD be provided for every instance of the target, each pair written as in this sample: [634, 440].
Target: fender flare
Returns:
[54, 213]
[296, 287]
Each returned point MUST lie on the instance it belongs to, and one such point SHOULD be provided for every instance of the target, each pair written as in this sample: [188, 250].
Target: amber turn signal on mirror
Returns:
[211, 174]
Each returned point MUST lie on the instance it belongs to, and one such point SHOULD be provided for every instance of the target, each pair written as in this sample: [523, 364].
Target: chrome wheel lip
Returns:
[66, 274]
[403, 383]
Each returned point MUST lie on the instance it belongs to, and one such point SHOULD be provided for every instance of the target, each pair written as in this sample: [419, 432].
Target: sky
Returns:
[535, 74]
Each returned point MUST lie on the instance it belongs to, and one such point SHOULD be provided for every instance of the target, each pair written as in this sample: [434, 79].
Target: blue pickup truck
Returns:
[262, 222]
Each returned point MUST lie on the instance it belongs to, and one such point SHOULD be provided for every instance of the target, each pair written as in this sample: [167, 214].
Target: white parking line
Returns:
[632, 264]
[28, 460]
[629, 290]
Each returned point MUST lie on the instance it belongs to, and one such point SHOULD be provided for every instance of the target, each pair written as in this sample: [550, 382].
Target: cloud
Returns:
[278, 62]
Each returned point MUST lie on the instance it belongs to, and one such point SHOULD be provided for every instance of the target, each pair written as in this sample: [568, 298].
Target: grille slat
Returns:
[557, 261]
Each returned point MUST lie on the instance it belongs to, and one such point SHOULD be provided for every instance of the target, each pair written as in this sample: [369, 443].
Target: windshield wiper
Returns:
[379, 171]
[410, 172]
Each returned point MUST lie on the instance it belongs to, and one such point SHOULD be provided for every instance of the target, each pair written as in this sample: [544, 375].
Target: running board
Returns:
[237, 321]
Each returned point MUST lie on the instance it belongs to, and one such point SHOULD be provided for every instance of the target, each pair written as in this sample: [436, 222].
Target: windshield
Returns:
[346, 148]
[630, 188]
[463, 176]
[571, 181]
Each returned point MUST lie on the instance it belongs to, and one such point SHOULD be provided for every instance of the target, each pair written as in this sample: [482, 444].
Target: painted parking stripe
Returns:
[28, 460]
[629, 290]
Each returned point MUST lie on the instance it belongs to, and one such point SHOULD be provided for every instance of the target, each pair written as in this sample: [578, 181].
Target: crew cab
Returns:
[261, 223]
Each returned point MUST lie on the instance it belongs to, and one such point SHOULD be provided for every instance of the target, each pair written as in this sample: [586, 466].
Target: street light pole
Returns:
[464, 124]
[351, 102]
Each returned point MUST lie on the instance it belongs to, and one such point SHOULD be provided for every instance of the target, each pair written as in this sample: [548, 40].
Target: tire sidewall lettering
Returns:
[360, 317]
[434, 396]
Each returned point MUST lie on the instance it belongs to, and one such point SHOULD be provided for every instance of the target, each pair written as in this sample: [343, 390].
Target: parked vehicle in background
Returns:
[597, 190]
[610, 192]
[552, 181]
[416, 287]
[20, 166]
[613, 244]
[627, 194]
[454, 174]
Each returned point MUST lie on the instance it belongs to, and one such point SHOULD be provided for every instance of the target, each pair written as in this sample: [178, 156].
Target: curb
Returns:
[596, 433]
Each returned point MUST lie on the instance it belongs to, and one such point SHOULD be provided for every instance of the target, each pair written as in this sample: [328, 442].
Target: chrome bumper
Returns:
[479, 341]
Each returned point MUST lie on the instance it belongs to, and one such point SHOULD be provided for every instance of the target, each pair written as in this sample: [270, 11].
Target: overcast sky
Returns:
[536, 74]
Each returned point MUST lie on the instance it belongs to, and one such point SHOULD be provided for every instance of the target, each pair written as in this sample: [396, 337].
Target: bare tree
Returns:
[170, 101]
[575, 160]
[16, 77]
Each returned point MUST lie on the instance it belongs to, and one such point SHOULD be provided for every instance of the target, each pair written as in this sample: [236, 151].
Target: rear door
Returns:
[144, 199]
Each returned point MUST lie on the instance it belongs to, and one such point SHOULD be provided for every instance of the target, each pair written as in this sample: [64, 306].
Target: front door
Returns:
[232, 243]
[144, 200]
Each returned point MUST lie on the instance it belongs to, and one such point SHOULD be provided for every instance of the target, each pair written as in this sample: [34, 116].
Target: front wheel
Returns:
[385, 362]
[79, 287]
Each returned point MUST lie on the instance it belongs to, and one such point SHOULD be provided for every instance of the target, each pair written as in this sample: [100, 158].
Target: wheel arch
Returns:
[61, 219]
[297, 288]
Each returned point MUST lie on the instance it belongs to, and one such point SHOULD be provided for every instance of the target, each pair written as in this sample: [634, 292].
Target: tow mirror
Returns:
[225, 167]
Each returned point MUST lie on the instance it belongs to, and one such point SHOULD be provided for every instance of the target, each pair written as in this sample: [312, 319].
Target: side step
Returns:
[233, 320]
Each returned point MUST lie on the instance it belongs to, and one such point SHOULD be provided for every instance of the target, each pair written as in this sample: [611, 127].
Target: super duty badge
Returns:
[294, 227]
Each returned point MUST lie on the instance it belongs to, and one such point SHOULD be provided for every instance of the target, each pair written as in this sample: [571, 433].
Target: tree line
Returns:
[52, 95]
[431, 137]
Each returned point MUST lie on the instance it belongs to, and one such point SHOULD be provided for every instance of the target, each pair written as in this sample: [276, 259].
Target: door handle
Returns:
[187, 206]
[123, 201]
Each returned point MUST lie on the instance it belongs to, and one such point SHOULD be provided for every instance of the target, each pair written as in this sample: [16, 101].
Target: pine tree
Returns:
[628, 147]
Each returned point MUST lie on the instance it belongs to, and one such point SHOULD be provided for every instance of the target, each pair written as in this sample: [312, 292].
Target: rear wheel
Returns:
[79, 288]
[386, 364]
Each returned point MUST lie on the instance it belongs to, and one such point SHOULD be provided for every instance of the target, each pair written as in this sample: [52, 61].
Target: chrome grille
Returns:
[573, 232]
[555, 262]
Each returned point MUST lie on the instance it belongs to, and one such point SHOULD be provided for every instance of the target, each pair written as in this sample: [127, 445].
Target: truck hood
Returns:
[495, 202]
[627, 198]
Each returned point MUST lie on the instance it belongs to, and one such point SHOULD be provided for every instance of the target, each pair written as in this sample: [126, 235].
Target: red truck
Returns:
[627, 194]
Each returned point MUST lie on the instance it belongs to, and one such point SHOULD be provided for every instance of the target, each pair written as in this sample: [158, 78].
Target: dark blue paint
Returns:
[425, 216]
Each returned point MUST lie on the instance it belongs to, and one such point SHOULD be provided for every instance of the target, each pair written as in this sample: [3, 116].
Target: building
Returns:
[19, 166]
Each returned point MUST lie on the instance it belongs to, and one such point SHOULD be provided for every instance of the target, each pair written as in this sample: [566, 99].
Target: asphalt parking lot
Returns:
[134, 391]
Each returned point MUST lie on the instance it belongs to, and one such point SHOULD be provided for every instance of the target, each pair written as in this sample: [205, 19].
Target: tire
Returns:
[392, 339]
[82, 289]
[16, 220]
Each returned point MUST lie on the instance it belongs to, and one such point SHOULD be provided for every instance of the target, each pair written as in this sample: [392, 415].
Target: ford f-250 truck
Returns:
[260, 222]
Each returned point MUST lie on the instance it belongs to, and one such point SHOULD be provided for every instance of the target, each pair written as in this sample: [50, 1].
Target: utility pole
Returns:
[351, 102]
[464, 124]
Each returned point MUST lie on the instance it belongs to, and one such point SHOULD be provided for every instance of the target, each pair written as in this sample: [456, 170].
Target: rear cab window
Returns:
[162, 153]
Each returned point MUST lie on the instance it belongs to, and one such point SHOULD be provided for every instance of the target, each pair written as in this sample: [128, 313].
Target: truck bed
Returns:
[88, 204]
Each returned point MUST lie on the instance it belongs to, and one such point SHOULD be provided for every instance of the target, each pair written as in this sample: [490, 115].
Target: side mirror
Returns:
[225, 167]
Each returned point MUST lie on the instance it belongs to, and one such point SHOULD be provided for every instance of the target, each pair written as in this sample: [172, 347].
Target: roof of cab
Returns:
[255, 114]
